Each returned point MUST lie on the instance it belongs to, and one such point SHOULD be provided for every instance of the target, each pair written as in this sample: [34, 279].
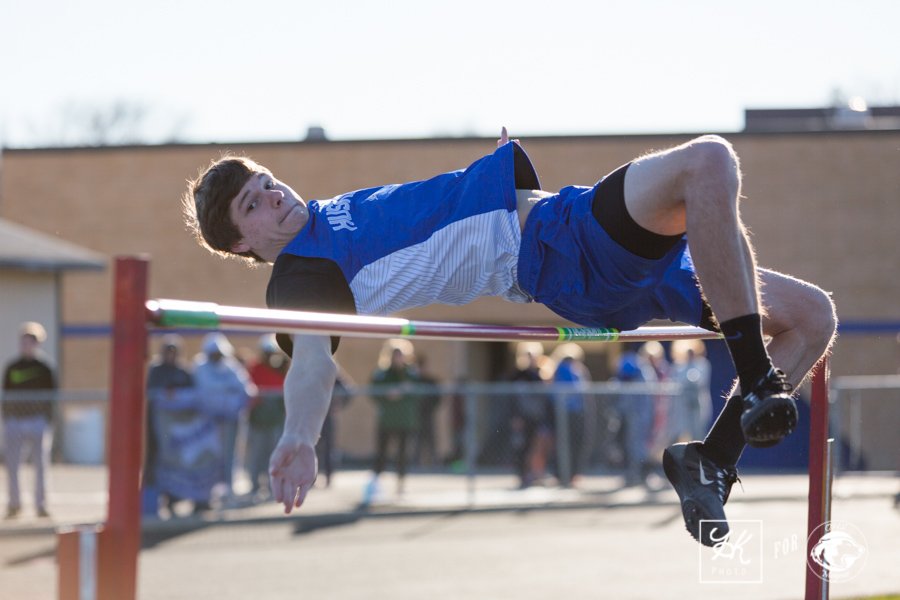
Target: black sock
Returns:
[725, 441]
[744, 338]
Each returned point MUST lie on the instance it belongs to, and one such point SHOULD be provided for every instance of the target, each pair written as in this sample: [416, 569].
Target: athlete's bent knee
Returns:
[712, 155]
[809, 312]
[821, 316]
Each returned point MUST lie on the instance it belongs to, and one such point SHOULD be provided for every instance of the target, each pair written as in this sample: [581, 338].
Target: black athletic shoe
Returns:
[703, 487]
[769, 411]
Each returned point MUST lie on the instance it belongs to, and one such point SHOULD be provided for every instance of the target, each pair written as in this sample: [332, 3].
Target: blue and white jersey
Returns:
[447, 240]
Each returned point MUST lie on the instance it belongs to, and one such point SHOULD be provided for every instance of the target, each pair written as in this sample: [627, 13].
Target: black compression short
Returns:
[609, 210]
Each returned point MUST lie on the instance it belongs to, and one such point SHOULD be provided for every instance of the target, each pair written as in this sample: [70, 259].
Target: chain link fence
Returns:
[477, 436]
[864, 418]
[538, 434]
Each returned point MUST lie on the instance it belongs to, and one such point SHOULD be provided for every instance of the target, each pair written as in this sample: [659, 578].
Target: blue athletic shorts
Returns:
[569, 263]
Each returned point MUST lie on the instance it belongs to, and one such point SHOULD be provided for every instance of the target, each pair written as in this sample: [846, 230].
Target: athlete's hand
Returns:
[504, 138]
[292, 471]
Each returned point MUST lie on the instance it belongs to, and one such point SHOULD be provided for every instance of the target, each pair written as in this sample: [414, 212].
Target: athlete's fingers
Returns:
[504, 137]
[275, 486]
[288, 495]
[275, 479]
[301, 495]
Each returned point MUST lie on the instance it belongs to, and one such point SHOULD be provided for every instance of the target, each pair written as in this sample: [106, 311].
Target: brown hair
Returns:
[207, 204]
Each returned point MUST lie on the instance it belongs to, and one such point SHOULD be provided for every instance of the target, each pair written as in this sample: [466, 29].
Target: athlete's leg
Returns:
[695, 188]
[801, 321]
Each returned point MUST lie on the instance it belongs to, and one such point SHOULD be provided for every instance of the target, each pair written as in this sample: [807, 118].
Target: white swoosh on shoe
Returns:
[703, 478]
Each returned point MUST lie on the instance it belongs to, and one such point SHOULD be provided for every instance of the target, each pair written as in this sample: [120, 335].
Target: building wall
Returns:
[821, 206]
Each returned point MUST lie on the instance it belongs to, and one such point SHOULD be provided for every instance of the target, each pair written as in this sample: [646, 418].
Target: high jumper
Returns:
[637, 246]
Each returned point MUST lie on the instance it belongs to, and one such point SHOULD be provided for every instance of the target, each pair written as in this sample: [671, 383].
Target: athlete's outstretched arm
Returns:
[307, 396]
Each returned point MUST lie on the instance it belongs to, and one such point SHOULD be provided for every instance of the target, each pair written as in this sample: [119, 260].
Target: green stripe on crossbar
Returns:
[201, 319]
[408, 329]
[595, 334]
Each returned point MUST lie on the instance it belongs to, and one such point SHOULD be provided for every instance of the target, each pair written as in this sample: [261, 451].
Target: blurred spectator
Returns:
[693, 409]
[456, 459]
[398, 410]
[326, 449]
[570, 369]
[429, 401]
[637, 413]
[266, 418]
[223, 391]
[532, 413]
[655, 354]
[29, 392]
[663, 405]
[183, 449]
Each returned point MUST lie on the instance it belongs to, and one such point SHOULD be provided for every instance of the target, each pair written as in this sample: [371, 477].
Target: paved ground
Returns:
[440, 541]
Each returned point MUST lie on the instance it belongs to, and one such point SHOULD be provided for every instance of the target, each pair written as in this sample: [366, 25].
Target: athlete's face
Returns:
[268, 214]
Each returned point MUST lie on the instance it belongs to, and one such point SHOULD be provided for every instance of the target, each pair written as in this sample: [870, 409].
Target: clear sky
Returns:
[268, 69]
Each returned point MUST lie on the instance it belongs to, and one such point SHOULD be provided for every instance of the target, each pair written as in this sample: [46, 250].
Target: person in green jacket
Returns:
[398, 408]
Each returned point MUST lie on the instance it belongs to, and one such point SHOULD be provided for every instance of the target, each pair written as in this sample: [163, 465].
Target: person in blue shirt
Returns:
[570, 369]
[637, 412]
[224, 389]
[611, 255]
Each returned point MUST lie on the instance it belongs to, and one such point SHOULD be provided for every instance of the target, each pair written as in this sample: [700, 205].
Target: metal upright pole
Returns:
[121, 539]
[819, 480]
[829, 481]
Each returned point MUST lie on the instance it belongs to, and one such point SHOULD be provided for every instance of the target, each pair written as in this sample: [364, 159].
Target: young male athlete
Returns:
[612, 255]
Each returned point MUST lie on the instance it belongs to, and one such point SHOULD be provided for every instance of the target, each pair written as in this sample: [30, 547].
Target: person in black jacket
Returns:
[531, 414]
[29, 388]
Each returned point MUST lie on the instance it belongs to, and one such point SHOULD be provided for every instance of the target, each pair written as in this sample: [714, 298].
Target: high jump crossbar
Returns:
[205, 315]
[117, 543]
